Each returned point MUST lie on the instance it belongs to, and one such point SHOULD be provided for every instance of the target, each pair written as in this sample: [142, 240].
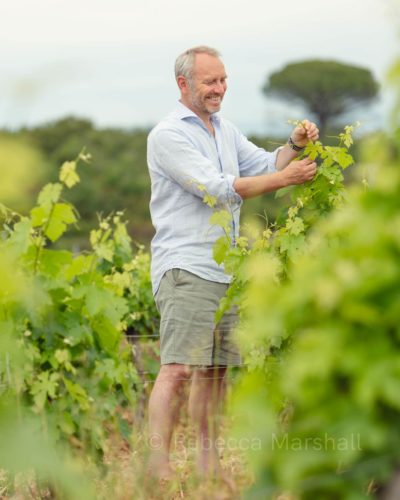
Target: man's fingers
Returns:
[310, 170]
[311, 129]
[312, 167]
[306, 161]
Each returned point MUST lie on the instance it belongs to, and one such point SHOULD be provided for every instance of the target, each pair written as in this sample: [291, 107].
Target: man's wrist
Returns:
[294, 146]
[281, 174]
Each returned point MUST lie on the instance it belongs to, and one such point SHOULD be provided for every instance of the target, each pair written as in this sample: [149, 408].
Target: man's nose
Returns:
[219, 87]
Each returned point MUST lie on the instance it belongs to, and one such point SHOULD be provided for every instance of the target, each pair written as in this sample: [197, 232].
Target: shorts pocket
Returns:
[175, 274]
[172, 276]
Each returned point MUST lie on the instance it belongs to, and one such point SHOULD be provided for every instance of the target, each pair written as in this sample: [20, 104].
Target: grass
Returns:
[123, 475]
[127, 478]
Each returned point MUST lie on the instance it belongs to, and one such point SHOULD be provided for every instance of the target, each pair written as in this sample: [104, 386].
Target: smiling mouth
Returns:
[214, 99]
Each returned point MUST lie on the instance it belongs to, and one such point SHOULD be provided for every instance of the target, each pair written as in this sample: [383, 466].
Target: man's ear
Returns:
[182, 83]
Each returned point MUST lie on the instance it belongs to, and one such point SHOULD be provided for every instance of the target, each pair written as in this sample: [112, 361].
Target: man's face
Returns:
[207, 87]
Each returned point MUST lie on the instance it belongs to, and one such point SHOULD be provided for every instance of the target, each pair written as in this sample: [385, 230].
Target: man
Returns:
[193, 152]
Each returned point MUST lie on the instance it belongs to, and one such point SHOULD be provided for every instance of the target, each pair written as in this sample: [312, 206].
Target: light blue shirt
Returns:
[183, 157]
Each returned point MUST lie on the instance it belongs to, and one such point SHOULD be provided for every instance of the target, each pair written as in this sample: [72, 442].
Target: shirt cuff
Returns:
[233, 196]
[272, 160]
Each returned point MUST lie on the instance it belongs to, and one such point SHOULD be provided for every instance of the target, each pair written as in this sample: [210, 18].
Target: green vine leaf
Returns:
[50, 194]
[62, 215]
[210, 200]
[45, 387]
[221, 218]
[78, 393]
[220, 249]
[295, 226]
[68, 174]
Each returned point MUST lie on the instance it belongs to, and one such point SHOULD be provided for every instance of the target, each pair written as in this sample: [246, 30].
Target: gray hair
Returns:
[185, 62]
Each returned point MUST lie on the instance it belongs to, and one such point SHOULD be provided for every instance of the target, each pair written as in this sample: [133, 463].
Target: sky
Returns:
[112, 61]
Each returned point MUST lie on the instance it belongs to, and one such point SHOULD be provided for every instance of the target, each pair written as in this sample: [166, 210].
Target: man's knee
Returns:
[175, 372]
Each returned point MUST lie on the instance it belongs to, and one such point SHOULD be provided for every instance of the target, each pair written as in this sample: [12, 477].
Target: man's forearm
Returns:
[297, 172]
[248, 187]
[285, 156]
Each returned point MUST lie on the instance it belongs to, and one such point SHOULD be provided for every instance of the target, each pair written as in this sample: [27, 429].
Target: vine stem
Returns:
[42, 233]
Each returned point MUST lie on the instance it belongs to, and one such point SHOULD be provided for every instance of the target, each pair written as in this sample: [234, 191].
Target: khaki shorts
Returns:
[188, 334]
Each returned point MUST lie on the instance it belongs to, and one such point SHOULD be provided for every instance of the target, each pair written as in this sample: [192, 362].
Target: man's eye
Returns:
[212, 82]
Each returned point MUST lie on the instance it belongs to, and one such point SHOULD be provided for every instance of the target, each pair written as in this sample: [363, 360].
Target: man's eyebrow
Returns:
[206, 78]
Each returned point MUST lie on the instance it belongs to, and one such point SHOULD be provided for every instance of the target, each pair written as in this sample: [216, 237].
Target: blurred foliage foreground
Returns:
[321, 335]
[66, 373]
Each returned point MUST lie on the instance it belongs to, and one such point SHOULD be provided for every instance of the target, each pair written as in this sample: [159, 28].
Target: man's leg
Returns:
[205, 405]
[164, 404]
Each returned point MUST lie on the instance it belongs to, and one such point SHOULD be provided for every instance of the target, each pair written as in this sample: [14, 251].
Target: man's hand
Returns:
[305, 132]
[299, 171]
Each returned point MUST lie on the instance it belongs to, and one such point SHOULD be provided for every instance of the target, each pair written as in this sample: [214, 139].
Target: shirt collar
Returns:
[183, 111]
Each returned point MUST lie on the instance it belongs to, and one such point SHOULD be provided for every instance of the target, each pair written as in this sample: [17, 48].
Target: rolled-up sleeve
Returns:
[176, 157]
[254, 160]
